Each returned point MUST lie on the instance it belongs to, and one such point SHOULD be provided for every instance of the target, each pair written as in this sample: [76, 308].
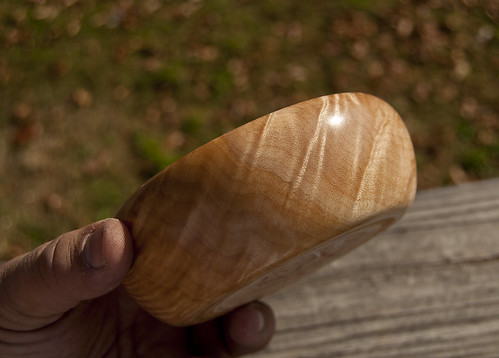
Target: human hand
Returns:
[65, 299]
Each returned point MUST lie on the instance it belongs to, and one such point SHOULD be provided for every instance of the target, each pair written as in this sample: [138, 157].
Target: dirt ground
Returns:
[97, 96]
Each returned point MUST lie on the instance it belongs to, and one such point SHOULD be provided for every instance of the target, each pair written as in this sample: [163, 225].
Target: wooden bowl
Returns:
[266, 203]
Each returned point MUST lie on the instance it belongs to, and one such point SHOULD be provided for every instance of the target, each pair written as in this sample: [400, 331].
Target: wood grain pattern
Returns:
[427, 287]
[266, 203]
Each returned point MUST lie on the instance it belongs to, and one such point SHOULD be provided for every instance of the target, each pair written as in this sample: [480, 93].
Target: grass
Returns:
[95, 97]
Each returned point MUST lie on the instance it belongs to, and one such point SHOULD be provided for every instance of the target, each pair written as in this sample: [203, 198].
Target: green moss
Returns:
[150, 152]
[106, 195]
[476, 160]
[465, 131]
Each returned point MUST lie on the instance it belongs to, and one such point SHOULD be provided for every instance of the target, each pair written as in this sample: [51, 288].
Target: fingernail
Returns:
[93, 254]
[247, 324]
[259, 318]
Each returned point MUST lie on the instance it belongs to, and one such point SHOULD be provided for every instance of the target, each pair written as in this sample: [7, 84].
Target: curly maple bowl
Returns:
[266, 203]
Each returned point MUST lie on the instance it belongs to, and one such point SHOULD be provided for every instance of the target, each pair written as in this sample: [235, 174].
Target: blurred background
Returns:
[97, 96]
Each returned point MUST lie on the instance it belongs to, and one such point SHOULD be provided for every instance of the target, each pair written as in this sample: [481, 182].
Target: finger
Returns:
[249, 328]
[245, 330]
[39, 287]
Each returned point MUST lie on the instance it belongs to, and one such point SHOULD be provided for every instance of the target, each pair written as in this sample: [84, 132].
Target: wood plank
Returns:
[428, 287]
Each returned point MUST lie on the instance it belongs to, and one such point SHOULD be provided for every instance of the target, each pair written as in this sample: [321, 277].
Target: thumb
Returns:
[37, 288]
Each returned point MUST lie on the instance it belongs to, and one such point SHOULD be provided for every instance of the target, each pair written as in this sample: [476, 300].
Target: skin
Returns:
[64, 299]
